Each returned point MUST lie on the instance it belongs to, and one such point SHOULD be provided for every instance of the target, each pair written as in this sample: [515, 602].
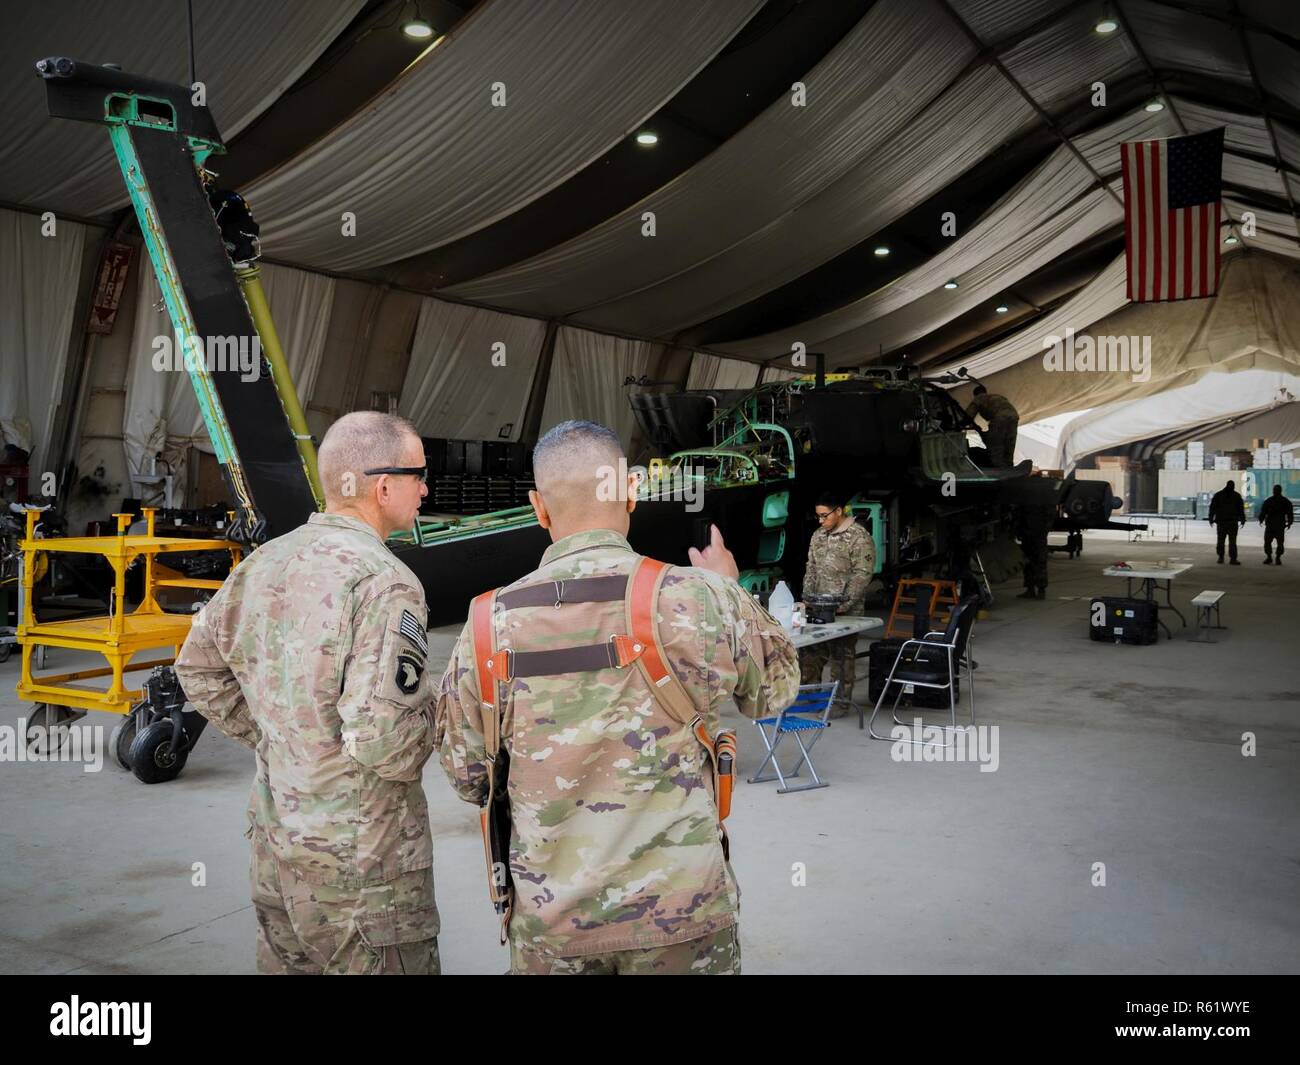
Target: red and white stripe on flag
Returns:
[1172, 254]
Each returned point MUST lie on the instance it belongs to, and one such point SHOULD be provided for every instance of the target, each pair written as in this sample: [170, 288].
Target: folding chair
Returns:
[936, 663]
[808, 714]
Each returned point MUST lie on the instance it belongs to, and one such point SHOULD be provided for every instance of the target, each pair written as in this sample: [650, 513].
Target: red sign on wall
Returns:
[113, 268]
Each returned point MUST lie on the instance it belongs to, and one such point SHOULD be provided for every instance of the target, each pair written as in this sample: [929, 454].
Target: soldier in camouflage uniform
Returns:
[841, 561]
[1034, 523]
[1004, 423]
[615, 850]
[313, 653]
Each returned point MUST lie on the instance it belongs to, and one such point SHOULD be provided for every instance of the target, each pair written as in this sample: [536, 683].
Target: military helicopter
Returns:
[896, 444]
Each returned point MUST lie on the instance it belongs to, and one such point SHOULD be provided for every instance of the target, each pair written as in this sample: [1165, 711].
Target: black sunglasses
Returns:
[421, 472]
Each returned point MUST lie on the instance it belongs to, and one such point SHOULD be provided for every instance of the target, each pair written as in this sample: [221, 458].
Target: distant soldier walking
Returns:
[588, 695]
[1227, 515]
[1276, 515]
[313, 653]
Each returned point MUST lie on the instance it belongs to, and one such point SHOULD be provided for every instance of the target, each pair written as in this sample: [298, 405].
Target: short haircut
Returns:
[570, 444]
[831, 498]
[360, 441]
[980, 390]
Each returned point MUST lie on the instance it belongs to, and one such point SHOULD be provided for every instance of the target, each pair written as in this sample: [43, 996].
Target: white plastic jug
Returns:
[781, 605]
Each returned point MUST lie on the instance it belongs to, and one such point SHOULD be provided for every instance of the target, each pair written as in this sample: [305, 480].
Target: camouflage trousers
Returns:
[840, 653]
[713, 955]
[388, 929]
[1000, 441]
[1034, 547]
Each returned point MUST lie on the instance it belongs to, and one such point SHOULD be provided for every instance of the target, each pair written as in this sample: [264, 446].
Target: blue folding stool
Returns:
[806, 716]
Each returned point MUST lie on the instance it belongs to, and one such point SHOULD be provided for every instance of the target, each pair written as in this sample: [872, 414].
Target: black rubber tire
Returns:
[6, 649]
[123, 735]
[151, 759]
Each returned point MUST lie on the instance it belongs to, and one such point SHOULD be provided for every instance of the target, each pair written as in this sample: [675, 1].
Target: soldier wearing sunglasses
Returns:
[314, 654]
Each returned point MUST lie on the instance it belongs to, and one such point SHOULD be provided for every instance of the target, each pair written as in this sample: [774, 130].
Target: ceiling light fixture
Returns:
[1155, 105]
[418, 30]
[881, 251]
[950, 284]
[1230, 239]
[1001, 308]
[647, 138]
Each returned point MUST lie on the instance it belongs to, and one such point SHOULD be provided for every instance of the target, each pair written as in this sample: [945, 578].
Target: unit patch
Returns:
[410, 667]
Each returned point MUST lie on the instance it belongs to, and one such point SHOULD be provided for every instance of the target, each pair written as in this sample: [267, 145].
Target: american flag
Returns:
[1172, 212]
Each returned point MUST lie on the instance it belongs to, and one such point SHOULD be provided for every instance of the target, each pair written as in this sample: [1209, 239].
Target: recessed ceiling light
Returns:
[418, 30]
[647, 138]
[1106, 24]
[1001, 308]
[950, 284]
[881, 251]
[1230, 239]
[1155, 105]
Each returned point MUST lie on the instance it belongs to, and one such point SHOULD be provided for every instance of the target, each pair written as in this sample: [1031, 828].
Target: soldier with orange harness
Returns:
[581, 712]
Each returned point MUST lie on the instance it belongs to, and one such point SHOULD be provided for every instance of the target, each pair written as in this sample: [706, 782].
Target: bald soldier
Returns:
[616, 852]
[313, 653]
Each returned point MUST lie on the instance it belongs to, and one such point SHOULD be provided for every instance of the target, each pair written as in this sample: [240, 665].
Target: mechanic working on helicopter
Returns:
[1003, 423]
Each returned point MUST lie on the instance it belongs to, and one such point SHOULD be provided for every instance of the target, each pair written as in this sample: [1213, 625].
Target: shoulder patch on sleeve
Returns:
[410, 668]
[410, 627]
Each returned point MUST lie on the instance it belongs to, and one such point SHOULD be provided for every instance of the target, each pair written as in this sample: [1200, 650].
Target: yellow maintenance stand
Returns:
[119, 636]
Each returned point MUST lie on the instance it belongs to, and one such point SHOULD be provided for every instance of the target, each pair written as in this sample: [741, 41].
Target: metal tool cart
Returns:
[156, 736]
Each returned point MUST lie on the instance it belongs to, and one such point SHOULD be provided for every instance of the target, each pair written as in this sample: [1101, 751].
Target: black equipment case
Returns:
[1134, 621]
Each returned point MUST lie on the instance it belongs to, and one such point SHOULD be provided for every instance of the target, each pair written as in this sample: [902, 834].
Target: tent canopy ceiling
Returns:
[768, 197]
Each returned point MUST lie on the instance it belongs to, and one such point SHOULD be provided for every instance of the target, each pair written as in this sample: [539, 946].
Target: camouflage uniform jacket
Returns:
[992, 408]
[841, 563]
[313, 653]
[615, 844]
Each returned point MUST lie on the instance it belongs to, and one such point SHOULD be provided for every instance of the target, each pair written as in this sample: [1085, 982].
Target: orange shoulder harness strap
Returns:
[642, 619]
[494, 813]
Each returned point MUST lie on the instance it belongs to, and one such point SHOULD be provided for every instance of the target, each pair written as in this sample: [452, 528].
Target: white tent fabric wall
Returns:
[433, 159]
[453, 389]
[587, 377]
[240, 56]
[162, 412]
[38, 295]
[776, 373]
[1280, 424]
[710, 371]
[1040, 441]
[1253, 323]
[1216, 395]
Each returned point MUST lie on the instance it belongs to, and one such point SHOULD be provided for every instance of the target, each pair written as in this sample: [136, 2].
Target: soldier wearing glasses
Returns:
[314, 653]
[841, 560]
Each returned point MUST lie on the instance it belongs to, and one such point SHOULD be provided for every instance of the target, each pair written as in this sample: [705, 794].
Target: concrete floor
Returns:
[1129, 756]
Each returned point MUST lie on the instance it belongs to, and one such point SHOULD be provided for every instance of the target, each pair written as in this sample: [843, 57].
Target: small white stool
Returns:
[1207, 603]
